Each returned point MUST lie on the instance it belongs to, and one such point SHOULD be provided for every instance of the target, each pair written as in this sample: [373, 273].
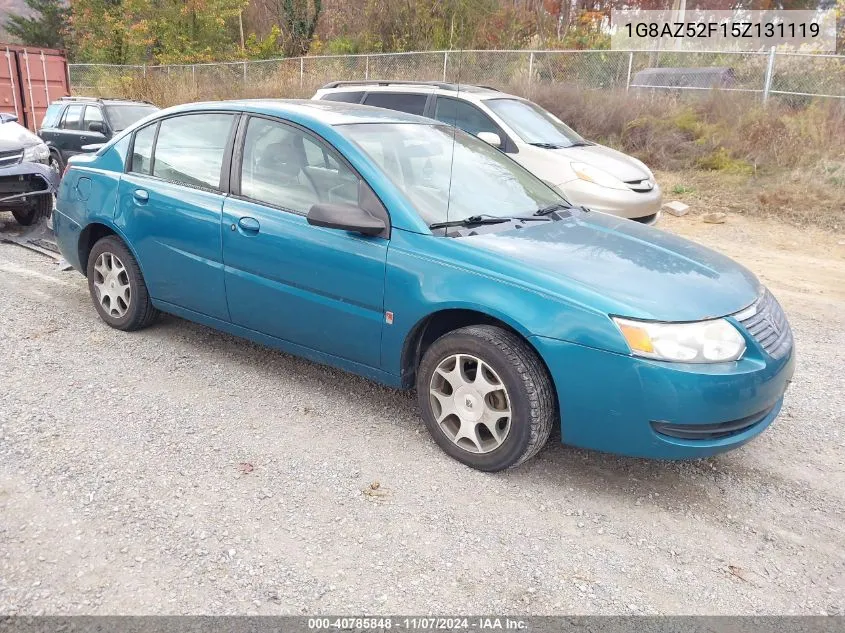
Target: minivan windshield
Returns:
[122, 116]
[419, 159]
[533, 124]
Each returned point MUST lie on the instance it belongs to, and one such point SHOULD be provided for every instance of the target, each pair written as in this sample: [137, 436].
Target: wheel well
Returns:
[89, 236]
[436, 325]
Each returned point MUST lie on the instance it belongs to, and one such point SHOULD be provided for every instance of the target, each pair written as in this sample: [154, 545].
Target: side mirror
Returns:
[490, 137]
[5, 117]
[92, 147]
[97, 126]
[346, 217]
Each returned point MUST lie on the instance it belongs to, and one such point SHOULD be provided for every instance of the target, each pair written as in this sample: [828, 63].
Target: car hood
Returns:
[625, 268]
[615, 163]
[14, 137]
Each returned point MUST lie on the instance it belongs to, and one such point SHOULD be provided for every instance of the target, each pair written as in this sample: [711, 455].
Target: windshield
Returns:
[533, 124]
[418, 159]
[122, 116]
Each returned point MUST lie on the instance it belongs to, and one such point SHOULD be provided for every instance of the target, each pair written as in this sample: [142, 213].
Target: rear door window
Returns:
[403, 102]
[72, 118]
[345, 97]
[190, 148]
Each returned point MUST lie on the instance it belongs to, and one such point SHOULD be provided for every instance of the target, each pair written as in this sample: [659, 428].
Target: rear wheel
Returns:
[39, 208]
[485, 397]
[117, 286]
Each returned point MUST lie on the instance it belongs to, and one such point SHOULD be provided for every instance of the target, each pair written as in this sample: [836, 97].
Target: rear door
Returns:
[170, 204]
[66, 135]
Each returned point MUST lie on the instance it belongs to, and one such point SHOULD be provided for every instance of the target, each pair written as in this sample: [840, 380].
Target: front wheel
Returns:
[117, 286]
[485, 397]
[39, 208]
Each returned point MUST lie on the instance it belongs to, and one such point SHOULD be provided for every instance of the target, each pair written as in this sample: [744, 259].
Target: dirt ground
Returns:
[180, 470]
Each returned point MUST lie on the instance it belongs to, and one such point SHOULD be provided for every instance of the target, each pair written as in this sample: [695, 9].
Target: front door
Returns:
[170, 207]
[316, 287]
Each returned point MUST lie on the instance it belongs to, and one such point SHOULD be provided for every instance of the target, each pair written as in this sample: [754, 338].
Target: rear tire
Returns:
[486, 397]
[117, 286]
[38, 209]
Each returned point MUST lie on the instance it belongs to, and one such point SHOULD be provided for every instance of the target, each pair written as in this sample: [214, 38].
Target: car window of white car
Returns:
[464, 115]
[533, 124]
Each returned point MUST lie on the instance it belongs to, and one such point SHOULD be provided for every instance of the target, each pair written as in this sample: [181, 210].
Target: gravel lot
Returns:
[180, 470]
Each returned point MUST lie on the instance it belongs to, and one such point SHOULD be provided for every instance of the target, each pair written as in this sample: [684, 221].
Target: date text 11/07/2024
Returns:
[418, 623]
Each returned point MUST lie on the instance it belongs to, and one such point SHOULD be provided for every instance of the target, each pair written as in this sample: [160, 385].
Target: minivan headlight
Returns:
[36, 153]
[715, 341]
[597, 176]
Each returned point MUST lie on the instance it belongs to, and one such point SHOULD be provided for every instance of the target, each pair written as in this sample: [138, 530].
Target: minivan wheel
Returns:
[40, 207]
[117, 286]
[485, 397]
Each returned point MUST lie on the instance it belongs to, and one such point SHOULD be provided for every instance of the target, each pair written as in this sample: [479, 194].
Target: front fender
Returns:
[420, 281]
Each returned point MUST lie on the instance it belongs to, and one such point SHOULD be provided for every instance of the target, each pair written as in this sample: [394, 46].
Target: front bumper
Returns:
[644, 408]
[20, 183]
[624, 203]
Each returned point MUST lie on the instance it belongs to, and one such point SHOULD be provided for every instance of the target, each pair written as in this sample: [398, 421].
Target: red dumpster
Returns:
[30, 79]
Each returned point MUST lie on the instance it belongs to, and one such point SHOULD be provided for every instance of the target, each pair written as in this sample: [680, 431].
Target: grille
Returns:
[10, 158]
[767, 323]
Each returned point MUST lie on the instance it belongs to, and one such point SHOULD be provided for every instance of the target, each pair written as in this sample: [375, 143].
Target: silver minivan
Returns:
[586, 173]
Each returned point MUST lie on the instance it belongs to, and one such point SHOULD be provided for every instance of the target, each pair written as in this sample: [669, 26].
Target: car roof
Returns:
[325, 112]
[102, 100]
[416, 87]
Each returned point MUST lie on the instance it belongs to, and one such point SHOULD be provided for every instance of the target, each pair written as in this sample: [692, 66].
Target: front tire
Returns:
[485, 397]
[39, 208]
[117, 286]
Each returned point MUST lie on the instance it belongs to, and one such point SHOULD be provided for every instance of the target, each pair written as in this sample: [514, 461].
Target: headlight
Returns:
[715, 341]
[597, 176]
[36, 153]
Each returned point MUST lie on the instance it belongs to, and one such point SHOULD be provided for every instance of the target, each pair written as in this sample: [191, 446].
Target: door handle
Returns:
[249, 225]
[140, 195]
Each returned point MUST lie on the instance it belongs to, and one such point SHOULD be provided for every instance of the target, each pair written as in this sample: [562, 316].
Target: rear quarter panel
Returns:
[87, 195]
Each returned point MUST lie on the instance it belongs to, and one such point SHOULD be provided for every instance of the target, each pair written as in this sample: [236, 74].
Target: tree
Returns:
[46, 27]
[298, 21]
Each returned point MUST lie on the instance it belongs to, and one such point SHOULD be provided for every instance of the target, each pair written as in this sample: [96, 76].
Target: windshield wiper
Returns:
[473, 219]
[484, 219]
[549, 145]
[581, 144]
[557, 206]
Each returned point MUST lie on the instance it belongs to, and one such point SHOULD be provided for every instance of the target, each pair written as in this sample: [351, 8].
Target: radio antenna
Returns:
[455, 115]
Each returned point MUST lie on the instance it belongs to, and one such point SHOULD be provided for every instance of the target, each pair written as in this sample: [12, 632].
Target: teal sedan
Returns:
[409, 252]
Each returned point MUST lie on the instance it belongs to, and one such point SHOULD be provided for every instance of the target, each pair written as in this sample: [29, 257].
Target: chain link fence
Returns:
[795, 77]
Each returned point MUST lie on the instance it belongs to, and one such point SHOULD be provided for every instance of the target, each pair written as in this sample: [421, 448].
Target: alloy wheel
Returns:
[111, 283]
[470, 403]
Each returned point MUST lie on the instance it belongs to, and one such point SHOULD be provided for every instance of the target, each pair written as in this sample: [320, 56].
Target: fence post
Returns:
[530, 71]
[630, 65]
[145, 70]
[194, 75]
[445, 61]
[244, 73]
[769, 71]
[367, 67]
[301, 72]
